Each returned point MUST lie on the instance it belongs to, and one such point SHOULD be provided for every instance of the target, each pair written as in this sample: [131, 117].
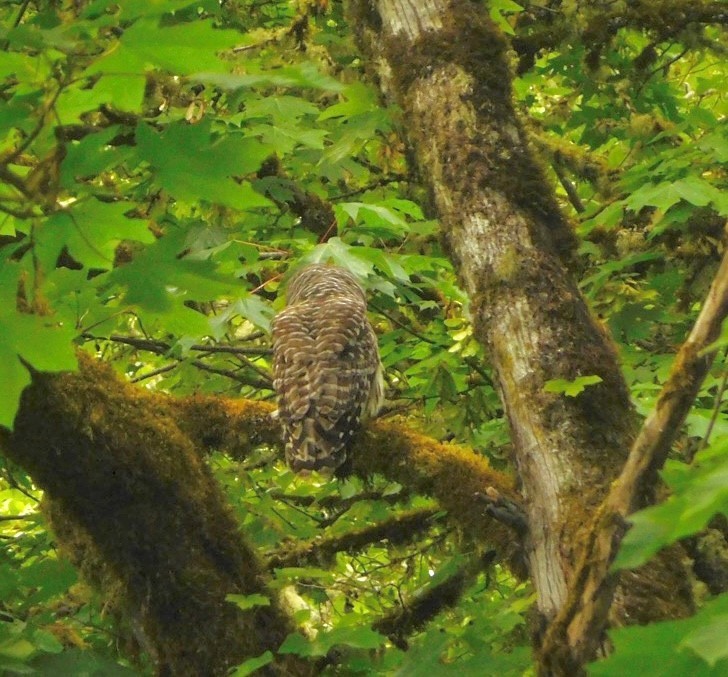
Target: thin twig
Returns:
[21, 13]
[260, 384]
[13, 518]
[161, 347]
[716, 406]
[154, 372]
[36, 131]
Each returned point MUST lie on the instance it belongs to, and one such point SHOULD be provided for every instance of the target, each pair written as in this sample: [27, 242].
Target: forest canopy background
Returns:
[164, 164]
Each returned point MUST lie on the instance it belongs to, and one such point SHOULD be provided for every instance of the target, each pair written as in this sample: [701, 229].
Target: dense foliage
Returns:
[163, 164]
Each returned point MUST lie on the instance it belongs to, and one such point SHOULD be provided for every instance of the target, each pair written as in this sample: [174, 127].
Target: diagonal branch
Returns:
[127, 485]
[574, 636]
[399, 529]
[451, 474]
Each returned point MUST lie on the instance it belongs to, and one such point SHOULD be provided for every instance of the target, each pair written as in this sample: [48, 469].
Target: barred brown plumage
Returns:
[326, 367]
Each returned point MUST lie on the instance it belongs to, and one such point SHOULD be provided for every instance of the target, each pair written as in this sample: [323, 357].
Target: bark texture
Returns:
[445, 63]
[135, 504]
[573, 638]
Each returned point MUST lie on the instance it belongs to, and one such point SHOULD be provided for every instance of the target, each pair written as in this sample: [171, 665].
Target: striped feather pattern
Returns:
[326, 366]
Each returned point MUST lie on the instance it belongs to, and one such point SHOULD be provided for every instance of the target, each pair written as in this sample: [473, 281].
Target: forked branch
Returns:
[574, 636]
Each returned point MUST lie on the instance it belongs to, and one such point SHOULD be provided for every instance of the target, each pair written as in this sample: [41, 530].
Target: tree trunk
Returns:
[137, 509]
[445, 63]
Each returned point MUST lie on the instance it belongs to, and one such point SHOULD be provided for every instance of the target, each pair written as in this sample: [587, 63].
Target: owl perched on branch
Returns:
[326, 366]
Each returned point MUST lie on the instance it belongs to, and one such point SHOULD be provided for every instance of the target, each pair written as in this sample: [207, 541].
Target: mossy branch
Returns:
[416, 612]
[574, 636]
[116, 465]
[663, 20]
[451, 474]
[399, 529]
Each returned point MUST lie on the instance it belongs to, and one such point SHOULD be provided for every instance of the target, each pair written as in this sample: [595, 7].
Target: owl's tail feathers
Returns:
[310, 446]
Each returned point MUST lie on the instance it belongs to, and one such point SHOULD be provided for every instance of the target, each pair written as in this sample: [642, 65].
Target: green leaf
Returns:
[335, 251]
[300, 75]
[294, 573]
[709, 640]
[699, 492]
[671, 648]
[696, 191]
[571, 388]
[372, 215]
[255, 310]
[252, 664]
[497, 7]
[41, 342]
[158, 278]
[660, 195]
[132, 9]
[282, 108]
[181, 48]
[48, 578]
[297, 644]
[358, 98]
[605, 271]
[122, 91]
[47, 642]
[91, 229]
[359, 637]
[19, 649]
[79, 663]
[23, 66]
[285, 139]
[195, 166]
[92, 155]
[245, 602]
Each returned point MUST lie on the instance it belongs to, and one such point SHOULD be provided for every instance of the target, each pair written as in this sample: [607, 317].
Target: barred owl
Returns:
[326, 366]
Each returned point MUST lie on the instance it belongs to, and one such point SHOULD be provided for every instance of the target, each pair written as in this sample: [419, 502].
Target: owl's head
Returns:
[318, 281]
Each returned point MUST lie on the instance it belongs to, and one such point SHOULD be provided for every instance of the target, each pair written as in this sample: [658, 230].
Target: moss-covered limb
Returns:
[115, 464]
[416, 612]
[451, 474]
[574, 636]
[446, 65]
[321, 551]
[664, 19]
[595, 26]
[233, 426]
[709, 552]
[78, 546]
[576, 160]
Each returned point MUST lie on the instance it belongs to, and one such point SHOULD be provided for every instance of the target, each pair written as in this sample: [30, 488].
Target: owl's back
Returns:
[327, 371]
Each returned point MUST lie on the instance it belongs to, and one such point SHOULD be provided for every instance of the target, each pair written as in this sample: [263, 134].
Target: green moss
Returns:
[119, 469]
[474, 130]
[448, 473]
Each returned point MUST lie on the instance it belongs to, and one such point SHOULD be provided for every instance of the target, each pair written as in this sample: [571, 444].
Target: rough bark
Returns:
[445, 64]
[133, 500]
[574, 637]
